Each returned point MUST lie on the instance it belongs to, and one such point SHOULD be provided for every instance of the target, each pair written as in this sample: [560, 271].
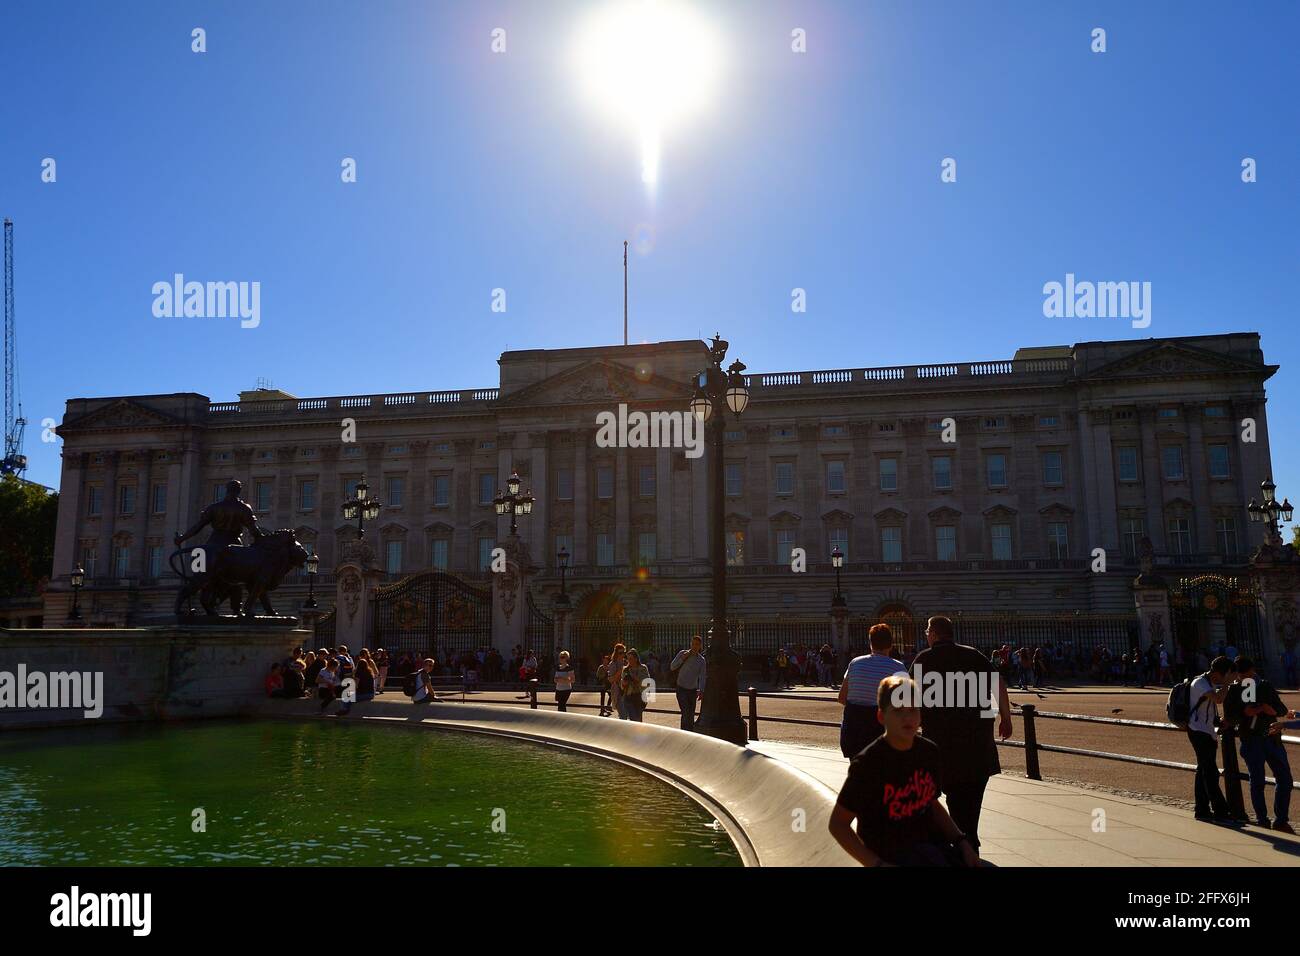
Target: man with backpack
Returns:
[1193, 705]
[1252, 706]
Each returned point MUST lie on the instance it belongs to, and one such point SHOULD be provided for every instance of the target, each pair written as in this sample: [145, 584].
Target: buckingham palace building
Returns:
[979, 488]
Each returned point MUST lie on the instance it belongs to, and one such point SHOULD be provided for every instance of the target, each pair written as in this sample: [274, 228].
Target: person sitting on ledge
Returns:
[327, 683]
[424, 684]
[274, 682]
[893, 792]
[294, 685]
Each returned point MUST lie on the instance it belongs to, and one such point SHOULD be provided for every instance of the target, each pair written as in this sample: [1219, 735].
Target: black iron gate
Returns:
[539, 631]
[1212, 612]
[432, 612]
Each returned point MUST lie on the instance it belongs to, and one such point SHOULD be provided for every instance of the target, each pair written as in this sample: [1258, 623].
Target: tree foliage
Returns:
[28, 514]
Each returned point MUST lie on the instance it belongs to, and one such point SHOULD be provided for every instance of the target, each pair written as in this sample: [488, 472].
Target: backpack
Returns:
[409, 683]
[1178, 708]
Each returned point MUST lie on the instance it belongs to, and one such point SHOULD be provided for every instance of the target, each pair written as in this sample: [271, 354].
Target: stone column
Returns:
[1151, 597]
[700, 500]
[581, 499]
[356, 579]
[1198, 475]
[510, 595]
[108, 519]
[463, 557]
[664, 505]
[1103, 474]
[72, 497]
[418, 480]
[1152, 479]
[622, 506]
[538, 533]
[284, 509]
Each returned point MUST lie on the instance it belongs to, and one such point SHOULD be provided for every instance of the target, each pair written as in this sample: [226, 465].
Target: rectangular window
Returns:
[997, 471]
[441, 491]
[1058, 539]
[1215, 411]
[1127, 458]
[121, 560]
[1219, 461]
[785, 477]
[604, 549]
[1225, 530]
[564, 542]
[306, 494]
[1048, 421]
[605, 481]
[218, 491]
[735, 479]
[1134, 529]
[393, 554]
[891, 545]
[735, 548]
[646, 481]
[996, 421]
[1180, 536]
[784, 545]
[95, 500]
[396, 492]
[889, 474]
[1168, 413]
[1053, 472]
[839, 538]
[564, 484]
[487, 487]
[646, 548]
[159, 499]
[1171, 457]
[945, 543]
[264, 496]
[834, 477]
[438, 555]
[942, 468]
[1001, 537]
[485, 546]
[126, 500]
[155, 561]
[89, 559]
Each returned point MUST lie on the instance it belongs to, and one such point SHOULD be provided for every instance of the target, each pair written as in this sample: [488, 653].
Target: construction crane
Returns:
[14, 461]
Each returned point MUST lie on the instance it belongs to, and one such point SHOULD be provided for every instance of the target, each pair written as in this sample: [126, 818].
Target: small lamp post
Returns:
[837, 562]
[361, 506]
[313, 566]
[78, 580]
[562, 562]
[513, 503]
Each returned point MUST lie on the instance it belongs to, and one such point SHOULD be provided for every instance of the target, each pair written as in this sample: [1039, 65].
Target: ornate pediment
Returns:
[122, 413]
[944, 513]
[1056, 509]
[785, 518]
[1164, 359]
[439, 527]
[837, 516]
[1000, 511]
[890, 514]
[599, 382]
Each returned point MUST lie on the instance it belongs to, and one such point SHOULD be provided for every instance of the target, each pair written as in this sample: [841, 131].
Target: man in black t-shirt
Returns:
[1252, 705]
[965, 738]
[893, 792]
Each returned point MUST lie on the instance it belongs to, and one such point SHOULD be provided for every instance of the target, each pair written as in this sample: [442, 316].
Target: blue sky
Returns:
[479, 171]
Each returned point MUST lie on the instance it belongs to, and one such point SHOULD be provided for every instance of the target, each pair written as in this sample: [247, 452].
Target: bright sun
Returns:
[649, 64]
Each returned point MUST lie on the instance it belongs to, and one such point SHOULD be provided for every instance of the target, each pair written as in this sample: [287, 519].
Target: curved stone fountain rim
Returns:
[757, 798]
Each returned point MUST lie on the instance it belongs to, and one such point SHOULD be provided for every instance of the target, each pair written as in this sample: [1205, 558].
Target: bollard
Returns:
[1031, 743]
[532, 694]
[753, 714]
[1232, 774]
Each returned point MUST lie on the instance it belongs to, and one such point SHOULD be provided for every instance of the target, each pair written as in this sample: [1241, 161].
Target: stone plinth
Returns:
[151, 673]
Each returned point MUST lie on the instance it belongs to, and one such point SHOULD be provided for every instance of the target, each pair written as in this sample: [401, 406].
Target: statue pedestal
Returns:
[509, 599]
[354, 591]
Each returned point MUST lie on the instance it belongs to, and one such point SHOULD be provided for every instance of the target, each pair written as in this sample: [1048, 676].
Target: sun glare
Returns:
[649, 65]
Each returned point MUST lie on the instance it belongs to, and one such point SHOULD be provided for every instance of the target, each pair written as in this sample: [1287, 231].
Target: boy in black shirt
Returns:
[893, 792]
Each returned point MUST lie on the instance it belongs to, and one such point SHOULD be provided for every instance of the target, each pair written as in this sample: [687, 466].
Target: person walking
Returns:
[634, 679]
[615, 675]
[689, 667]
[602, 681]
[963, 733]
[1204, 696]
[564, 674]
[381, 665]
[859, 726]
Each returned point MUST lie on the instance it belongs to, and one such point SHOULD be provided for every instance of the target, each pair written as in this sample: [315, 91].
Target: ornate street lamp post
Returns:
[313, 566]
[562, 562]
[513, 503]
[1271, 510]
[717, 391]
[361, 507]
[78, 579]
[837, 562]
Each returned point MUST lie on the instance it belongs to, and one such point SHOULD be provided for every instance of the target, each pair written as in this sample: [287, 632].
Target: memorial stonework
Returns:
[965, 486]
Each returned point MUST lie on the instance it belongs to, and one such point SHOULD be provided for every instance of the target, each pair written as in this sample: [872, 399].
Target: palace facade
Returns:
[968, 486]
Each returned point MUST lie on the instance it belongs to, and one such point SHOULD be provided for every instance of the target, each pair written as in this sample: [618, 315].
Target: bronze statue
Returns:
[227, 566]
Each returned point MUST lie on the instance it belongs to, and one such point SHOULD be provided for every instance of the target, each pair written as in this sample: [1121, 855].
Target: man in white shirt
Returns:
[1206, 693]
